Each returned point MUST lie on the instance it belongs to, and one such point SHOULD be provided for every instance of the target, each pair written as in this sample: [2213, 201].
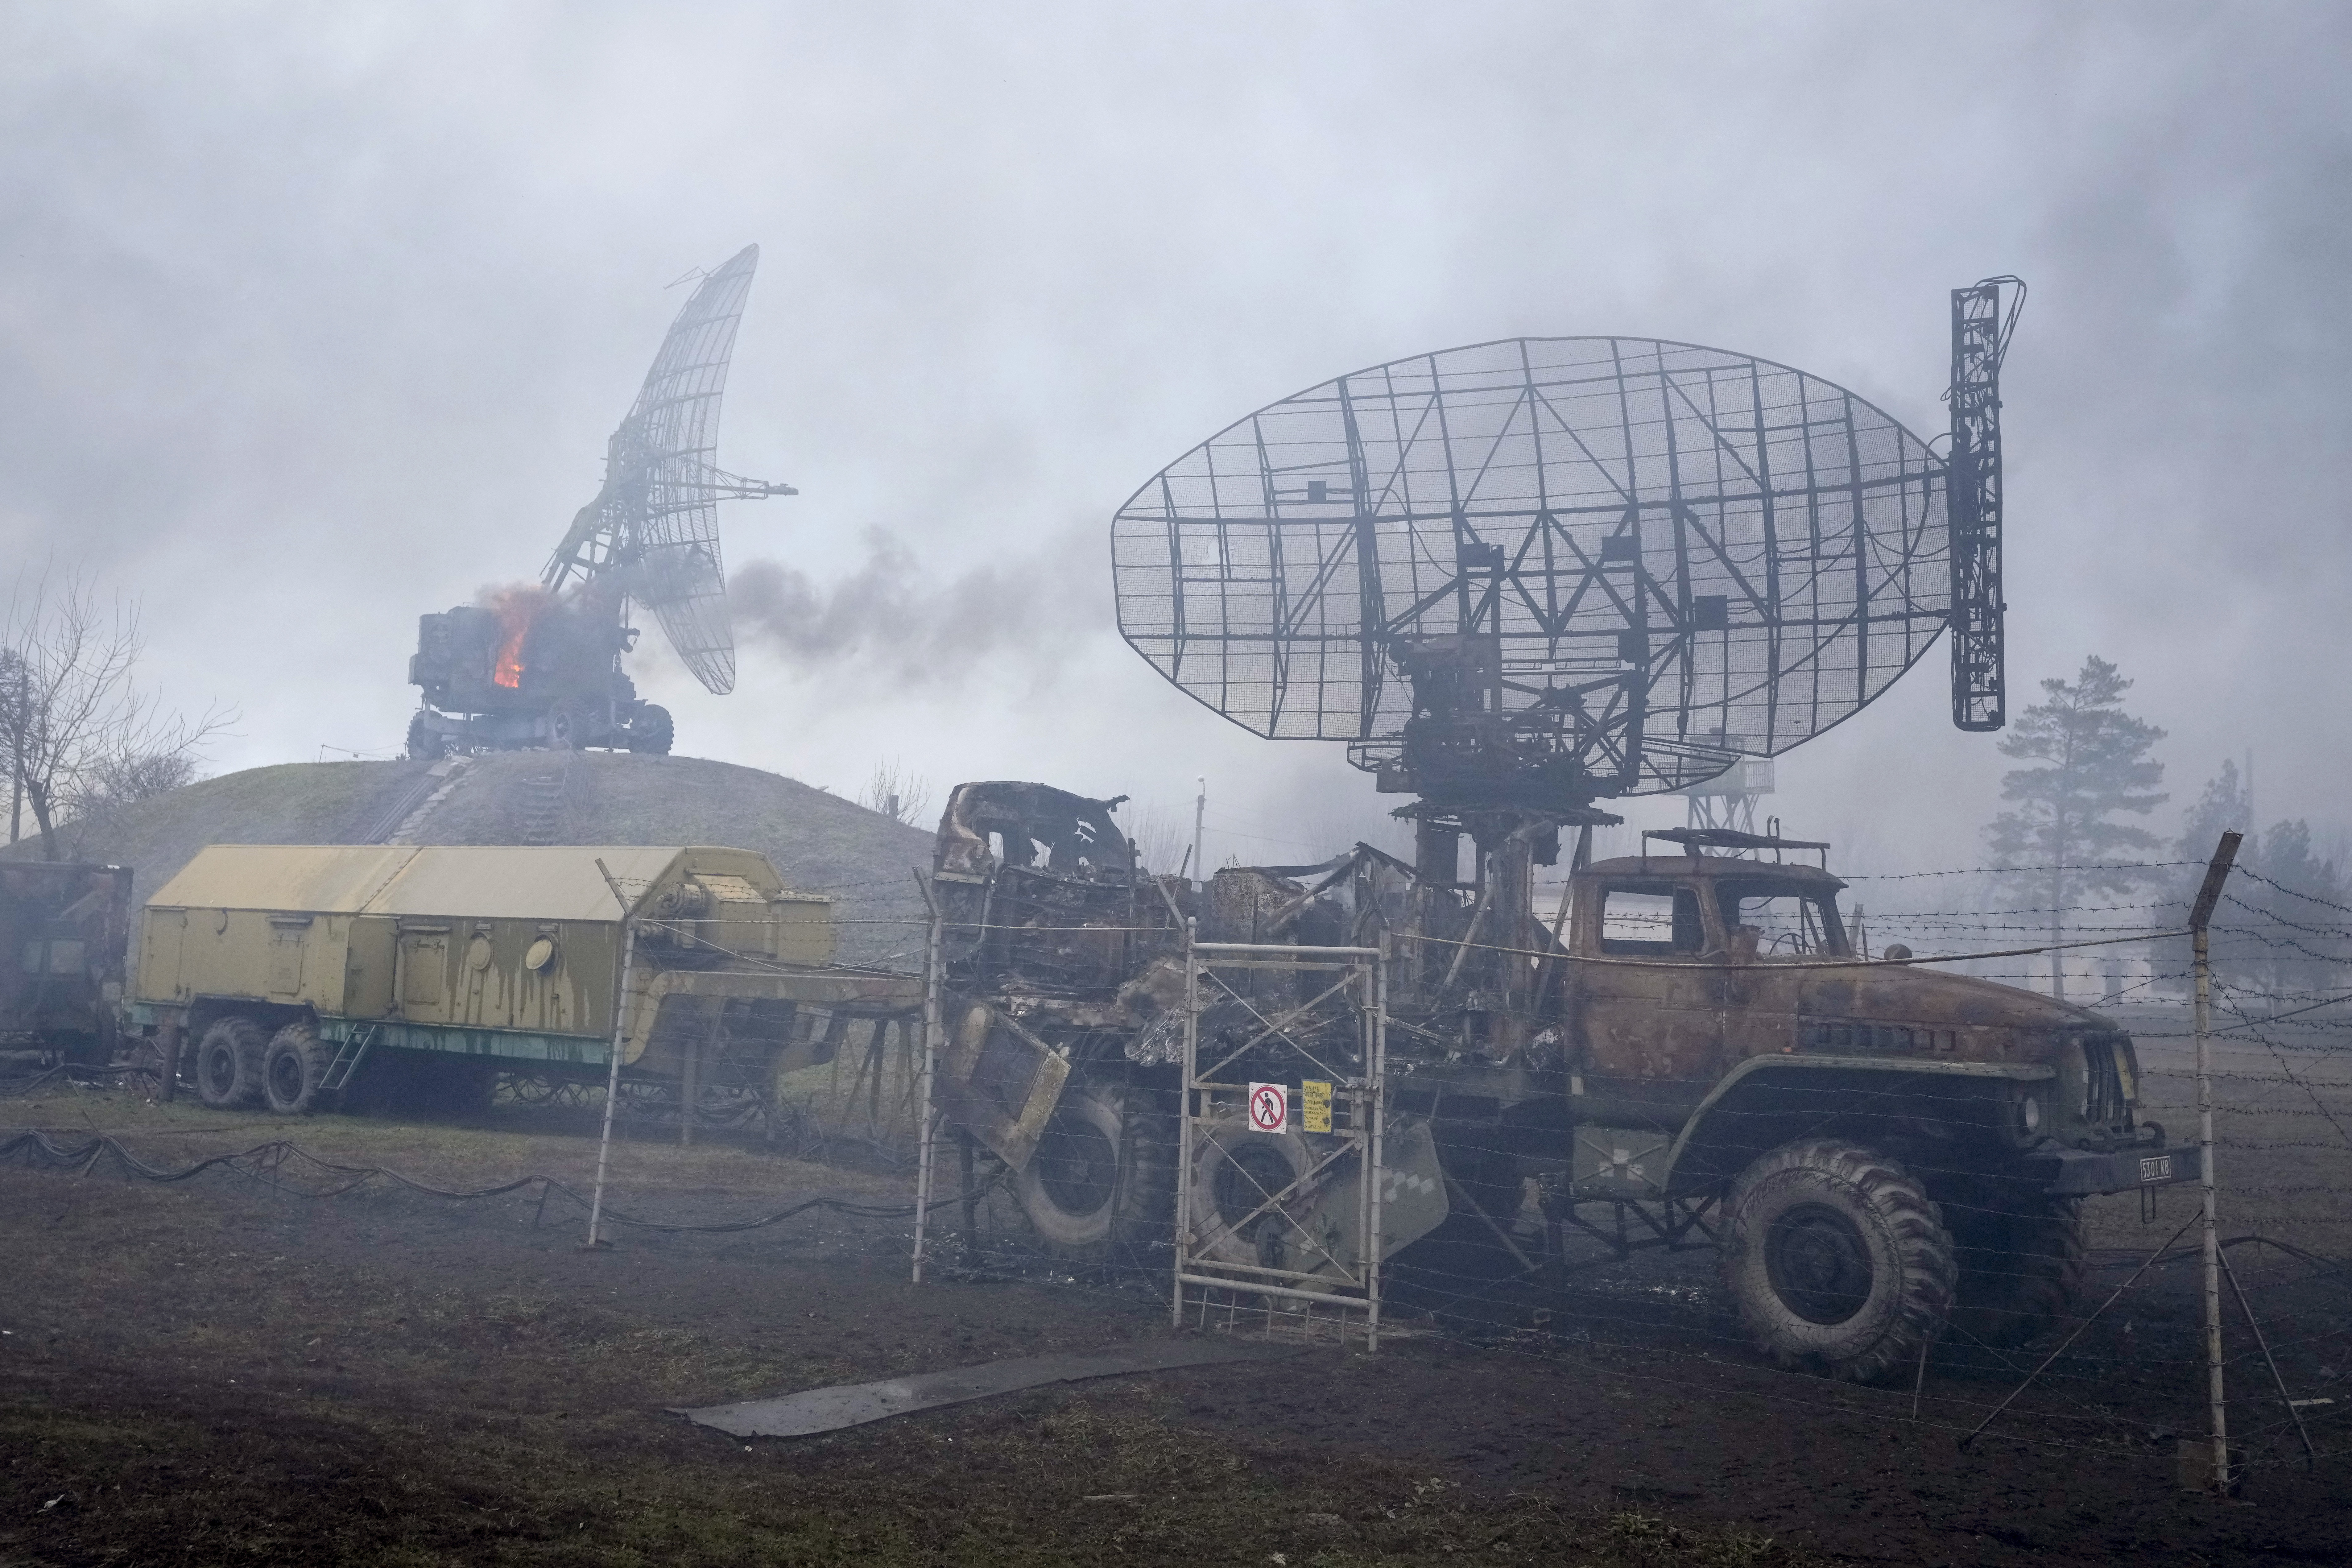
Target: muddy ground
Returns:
[222, 1371]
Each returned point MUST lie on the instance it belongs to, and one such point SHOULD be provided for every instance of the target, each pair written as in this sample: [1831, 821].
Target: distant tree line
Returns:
[2066, 848]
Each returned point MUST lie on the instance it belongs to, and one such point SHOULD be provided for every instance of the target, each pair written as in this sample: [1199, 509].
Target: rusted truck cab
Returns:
[1886, 1149]
[1718, 1005]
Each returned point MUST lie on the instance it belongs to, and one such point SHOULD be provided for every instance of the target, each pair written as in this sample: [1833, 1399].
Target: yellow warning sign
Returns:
[1315, 1106]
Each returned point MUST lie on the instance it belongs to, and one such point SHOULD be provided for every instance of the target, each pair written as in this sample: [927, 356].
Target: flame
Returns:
[516, 609]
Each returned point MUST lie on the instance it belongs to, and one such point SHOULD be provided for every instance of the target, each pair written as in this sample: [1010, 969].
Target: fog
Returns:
[315, 319]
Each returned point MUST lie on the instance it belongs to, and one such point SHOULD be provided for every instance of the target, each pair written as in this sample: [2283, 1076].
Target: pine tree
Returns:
[2265, 937]
[2061, 840]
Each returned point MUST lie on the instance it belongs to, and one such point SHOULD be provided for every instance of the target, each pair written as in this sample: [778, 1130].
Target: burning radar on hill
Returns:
[539, 665]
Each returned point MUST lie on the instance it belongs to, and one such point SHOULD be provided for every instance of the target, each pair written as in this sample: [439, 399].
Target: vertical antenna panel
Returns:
[1981, 333]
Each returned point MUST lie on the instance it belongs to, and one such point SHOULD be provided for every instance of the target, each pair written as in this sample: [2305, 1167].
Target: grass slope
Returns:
[819, 842]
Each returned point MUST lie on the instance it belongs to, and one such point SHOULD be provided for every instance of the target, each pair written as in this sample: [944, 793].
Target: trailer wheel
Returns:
[1102, 1186]
[229, 1064]
[1837, 1258]
[293, 1064]
[2022, 1268]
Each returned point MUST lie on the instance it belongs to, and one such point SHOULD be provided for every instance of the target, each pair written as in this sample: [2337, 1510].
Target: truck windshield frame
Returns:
[1806, 924]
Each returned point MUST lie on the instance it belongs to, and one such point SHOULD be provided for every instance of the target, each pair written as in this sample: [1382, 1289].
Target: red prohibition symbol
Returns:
[1269, 1107]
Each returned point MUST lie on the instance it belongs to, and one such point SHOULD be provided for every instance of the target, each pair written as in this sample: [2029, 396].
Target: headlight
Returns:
[2031, 1113]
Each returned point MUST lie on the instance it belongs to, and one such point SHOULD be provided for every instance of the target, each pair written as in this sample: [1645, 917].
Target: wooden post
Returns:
[2200, 916]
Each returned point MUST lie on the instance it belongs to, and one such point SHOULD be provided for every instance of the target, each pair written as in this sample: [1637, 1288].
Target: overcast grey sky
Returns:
[312, 318]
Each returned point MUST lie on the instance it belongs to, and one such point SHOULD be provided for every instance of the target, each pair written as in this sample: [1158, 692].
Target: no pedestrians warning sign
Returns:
[1269, 1107]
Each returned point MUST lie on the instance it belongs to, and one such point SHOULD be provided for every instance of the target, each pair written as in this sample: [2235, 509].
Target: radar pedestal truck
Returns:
[1879, 1151]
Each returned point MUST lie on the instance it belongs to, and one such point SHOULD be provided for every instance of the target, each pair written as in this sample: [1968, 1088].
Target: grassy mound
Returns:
[819, 842]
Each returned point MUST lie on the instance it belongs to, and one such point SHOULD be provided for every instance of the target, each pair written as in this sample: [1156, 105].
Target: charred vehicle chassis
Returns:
[1687, 1052]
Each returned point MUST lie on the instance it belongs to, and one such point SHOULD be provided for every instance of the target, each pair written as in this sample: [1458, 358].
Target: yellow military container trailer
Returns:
[301, 973]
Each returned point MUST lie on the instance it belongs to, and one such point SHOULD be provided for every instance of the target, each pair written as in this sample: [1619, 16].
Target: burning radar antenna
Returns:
[1523, 576]
[539, 667]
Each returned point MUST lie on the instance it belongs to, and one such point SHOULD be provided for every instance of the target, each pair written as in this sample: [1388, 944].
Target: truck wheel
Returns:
[653, 731]
[424, 745]
[1101, 1186]
[1837, 1259]
[292, 1065]
[2022, 1269]
[229, 1064]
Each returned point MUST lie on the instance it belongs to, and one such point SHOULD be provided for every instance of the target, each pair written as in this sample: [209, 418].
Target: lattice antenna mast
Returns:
[1982, 328]
[653, 529]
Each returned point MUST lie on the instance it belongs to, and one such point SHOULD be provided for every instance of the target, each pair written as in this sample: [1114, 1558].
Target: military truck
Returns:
[1878, 1151]
[305, 975]
[533, 671]
[64, 928]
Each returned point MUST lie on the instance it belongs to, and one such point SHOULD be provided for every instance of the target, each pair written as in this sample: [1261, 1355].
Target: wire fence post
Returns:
[620, 1034]
[926, 1131]
[1183, 1232]
[2201, 917]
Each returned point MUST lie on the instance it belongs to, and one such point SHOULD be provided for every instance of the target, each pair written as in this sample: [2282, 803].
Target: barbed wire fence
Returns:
[2124, 1372]
[2123, 1369]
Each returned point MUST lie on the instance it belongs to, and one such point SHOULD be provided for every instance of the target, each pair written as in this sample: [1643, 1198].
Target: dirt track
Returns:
[218, 1372]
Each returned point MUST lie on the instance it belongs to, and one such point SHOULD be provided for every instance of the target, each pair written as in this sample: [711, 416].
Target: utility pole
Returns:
[1200, 816]
[2200, 916]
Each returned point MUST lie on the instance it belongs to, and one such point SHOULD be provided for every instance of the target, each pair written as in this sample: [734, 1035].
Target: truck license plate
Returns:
[2156, 1168]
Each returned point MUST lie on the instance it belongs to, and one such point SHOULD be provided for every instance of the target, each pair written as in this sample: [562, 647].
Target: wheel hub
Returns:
[1818, 1264]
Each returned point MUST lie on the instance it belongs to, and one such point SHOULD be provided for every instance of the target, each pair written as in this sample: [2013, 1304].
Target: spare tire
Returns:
[1100, 1187]
[1837, 1258]
[229, 1064]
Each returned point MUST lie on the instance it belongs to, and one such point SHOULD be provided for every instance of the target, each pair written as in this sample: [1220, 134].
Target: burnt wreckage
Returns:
[1519, 579]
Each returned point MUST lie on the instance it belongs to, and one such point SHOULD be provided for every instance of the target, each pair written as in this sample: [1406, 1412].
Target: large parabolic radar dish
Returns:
[656, 520]
[1541, 571]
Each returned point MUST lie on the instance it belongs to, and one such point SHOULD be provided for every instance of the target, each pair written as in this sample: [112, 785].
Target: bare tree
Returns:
[80, 738]
[897, 793]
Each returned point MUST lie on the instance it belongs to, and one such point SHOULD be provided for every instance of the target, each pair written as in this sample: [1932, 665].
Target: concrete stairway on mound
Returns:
[406, 819]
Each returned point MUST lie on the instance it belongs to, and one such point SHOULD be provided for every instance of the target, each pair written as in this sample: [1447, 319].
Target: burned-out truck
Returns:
[297, 976]
[64, 925]
[1691, 1046]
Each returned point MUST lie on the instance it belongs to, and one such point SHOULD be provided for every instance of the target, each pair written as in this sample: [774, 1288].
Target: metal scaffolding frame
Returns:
[1210, 1285]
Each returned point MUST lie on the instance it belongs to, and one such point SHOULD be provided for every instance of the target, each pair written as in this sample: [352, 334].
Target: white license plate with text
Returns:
[2156, 1168]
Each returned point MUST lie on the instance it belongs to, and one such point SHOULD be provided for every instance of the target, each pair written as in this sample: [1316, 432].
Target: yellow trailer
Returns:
[302, 971]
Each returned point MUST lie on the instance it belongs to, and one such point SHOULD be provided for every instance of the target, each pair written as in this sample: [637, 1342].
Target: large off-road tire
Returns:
[424, 745]
[1102, 1186]
[653, 731]
[229, 1064]
[1837, 1259]
[2023, 1267]
[293, 1064]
